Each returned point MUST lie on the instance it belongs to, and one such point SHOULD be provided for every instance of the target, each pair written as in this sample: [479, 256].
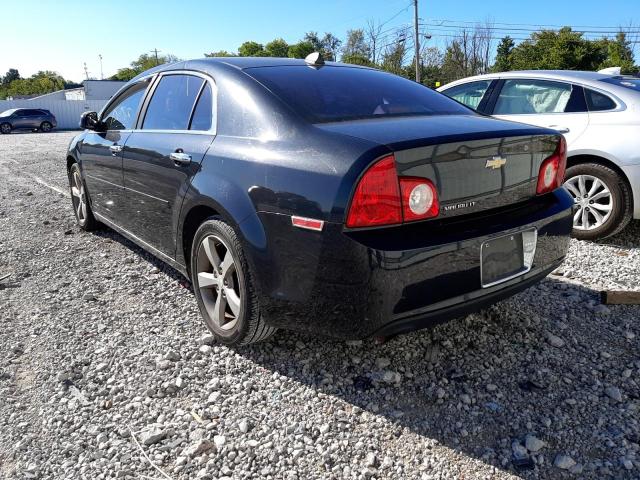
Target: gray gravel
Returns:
[103, 356]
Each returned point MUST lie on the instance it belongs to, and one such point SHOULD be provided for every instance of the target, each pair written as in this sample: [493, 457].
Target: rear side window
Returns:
[331, 94]
[172, 103]
[122, 114]
[598, 102]
[519, 97]
[469, 94]
[202, 115]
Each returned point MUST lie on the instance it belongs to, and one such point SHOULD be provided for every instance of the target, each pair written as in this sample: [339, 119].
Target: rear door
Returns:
[162, 155]
[21, 119]
[101, 153]
[545, 103]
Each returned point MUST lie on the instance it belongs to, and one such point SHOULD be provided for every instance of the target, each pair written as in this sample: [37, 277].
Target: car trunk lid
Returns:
[476, 163]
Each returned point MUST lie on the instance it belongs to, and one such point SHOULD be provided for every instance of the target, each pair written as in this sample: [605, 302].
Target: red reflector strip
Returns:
[308, 223]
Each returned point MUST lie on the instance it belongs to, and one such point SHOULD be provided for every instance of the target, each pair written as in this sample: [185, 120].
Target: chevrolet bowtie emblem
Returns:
[495, 163]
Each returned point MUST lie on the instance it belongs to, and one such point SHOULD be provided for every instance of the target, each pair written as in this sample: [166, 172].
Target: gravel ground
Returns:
[106, 369]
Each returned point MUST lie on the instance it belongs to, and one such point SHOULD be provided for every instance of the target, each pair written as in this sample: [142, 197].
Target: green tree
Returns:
[503, 55]
[393, 57]
[355, 49]
[142, 63]
[558, 50]
[11, 75]
[251, 49]
[220, 53]
[619, 54]
[277, 48]
[300, 49]
[328, 45]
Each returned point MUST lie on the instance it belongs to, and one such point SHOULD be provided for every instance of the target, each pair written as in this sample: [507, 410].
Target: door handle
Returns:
[180, 158]
[115, 149]
[560, 129]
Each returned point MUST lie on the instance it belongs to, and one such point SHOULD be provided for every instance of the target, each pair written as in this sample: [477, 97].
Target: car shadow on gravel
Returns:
[537, 364]
[477, 385]
[628, 238]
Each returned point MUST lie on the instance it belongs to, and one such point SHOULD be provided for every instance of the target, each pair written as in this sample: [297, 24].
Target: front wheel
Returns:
[45, 127]
[80, 200]
[602, 199]
[223, 285]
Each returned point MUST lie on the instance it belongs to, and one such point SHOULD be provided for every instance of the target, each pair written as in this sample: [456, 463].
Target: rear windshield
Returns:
[331, 94]
[628, 82]
[8, 113]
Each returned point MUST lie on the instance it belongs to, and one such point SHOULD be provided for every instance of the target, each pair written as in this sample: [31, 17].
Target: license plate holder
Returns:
[506, 257]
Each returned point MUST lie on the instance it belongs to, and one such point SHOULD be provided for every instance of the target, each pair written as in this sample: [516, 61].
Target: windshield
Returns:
[632, 83]
[331, 94]
[7, 113]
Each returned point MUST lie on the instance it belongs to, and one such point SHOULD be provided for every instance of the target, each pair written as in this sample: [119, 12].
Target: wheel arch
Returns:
[586, 158]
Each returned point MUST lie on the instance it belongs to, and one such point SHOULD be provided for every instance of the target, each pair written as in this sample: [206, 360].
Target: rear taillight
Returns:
[381, 198]
[552, 170]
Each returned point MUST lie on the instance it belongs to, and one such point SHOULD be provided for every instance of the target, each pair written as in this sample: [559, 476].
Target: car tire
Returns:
[608, 191]
[5, 128]
[45, 127]
[80, 200]
[224, 288]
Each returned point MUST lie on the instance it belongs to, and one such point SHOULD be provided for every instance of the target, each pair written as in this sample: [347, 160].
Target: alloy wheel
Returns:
[218, 282]
[6, 128]
[594, 201]
[78, 196]
[46, 126]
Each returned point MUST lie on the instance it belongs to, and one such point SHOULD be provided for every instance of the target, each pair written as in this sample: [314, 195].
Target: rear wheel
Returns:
[5, 128]
[80, 200]
[223, 285]
[45, 127]
[602, 198]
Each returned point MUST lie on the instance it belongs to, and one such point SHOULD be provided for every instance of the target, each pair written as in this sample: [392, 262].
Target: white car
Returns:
[598, 113]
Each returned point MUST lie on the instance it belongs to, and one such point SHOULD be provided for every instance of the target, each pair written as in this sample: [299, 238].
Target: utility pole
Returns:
[86, 72]
[415, 20]
[155, 51]
[101, 74]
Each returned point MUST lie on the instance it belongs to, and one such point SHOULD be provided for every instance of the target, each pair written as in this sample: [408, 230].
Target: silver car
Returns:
[27, 119]
[599, 115]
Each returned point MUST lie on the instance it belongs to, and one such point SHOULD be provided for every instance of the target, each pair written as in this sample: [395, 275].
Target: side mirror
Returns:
[89, 121]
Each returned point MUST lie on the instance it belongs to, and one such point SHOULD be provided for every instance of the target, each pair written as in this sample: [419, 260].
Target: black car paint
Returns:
[262, 163]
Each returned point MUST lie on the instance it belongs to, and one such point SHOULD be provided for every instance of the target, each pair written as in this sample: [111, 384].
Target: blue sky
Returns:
[61, 35]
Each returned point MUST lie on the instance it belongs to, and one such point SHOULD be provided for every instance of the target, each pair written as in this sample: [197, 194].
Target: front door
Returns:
[544, 103]
[161, 157]
[101, 153]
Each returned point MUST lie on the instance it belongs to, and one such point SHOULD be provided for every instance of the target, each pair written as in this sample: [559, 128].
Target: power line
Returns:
[527, 24]
[522, 30]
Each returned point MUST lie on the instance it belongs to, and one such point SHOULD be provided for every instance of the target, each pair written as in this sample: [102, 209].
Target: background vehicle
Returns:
[599, 115]
[27, 119]
[293, 197]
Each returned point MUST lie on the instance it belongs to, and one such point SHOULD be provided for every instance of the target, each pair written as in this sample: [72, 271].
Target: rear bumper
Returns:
[356, 284]
[633, 174]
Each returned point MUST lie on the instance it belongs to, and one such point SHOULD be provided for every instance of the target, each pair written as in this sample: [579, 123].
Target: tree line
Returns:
[472, 51]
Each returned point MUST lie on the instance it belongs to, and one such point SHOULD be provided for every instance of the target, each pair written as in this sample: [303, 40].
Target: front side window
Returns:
[334, 94]
[122, 114]
[172, 103]
[519, 97]
[598, 102]
[470, 94]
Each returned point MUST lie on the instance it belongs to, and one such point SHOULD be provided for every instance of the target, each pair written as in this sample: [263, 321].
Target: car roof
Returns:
[566, 75]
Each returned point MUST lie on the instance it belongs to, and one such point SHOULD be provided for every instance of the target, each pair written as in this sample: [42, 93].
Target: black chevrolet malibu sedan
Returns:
[322, 197]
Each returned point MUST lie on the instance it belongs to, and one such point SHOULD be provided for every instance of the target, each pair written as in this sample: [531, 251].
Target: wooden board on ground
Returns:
[620, 297]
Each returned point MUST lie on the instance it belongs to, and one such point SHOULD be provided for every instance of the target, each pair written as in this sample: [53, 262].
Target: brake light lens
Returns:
[552, 170]
[419, 199]
[381, 198]
[376, 200]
